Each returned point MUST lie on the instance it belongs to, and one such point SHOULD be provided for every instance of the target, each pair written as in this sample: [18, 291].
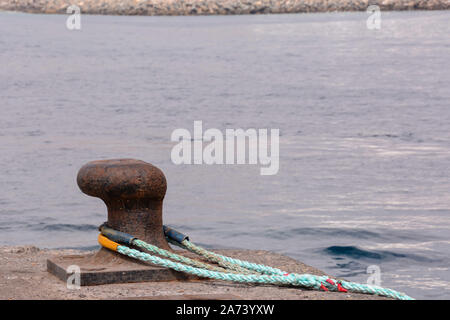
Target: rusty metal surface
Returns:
[133, 191]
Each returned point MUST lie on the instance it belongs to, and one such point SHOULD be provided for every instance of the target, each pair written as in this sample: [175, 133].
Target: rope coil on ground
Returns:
[231, 269]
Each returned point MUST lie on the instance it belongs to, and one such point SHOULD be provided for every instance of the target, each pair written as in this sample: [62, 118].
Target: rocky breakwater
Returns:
[215, 7]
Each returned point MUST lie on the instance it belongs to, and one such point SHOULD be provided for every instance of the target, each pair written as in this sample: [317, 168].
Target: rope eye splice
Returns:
[227, 268]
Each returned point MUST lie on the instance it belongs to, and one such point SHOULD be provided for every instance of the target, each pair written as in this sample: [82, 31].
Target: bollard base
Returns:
[106, 267]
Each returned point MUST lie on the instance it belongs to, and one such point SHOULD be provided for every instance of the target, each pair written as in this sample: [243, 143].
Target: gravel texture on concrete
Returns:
[23, 275]
[215, 7]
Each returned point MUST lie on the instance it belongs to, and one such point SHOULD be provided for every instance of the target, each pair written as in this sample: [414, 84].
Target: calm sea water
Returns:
[364, 118]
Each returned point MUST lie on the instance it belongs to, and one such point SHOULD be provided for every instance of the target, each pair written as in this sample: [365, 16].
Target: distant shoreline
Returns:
[214, 7]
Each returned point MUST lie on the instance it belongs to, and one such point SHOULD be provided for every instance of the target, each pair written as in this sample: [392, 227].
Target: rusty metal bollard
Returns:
[133, 192]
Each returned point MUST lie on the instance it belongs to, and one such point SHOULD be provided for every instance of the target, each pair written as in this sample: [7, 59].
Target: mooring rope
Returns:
[265, 274]
[220, 259]
[215, 258]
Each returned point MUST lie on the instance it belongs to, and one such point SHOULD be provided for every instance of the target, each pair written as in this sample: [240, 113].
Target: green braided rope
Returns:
[302, 280]
[213, 257]
[375, 290]
[174, 256]
[263, 269]
[260, 268]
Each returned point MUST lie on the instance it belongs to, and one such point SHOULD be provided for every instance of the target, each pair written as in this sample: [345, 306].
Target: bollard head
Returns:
[122, 179]
[133, 192]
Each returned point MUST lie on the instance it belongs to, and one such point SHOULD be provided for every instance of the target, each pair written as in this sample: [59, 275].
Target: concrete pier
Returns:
[23, 275]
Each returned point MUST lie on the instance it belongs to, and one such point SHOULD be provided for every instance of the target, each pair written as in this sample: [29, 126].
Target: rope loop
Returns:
[227, 268]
